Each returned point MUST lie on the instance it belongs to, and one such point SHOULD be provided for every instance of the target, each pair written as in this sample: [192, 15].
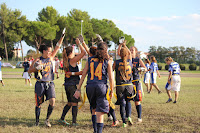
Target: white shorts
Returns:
[0, 75]
[25, 75]
[146, 77]
[153, 77]
[56, 69]
[175, 83]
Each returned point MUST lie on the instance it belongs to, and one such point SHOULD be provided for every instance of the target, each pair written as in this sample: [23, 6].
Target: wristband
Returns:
[58, 44]
[73, 73]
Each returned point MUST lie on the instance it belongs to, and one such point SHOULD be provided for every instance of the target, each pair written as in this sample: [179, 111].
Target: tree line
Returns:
[15, 28]
[179, 54]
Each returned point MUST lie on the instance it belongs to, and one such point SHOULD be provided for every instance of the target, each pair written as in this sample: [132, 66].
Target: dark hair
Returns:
[93, 50]
[102, 53]
[66, 52]
[44, 47]
[147, 60]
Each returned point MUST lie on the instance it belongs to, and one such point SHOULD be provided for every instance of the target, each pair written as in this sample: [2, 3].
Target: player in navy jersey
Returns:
[44, 75]
[137, 63]
[26, 66]
[147, 74]
[153, 74]
[124, 87]
[71, 82]
[98, 68]
[174, 80]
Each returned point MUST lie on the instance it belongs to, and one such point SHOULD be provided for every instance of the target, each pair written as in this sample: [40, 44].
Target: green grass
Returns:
[17, 110]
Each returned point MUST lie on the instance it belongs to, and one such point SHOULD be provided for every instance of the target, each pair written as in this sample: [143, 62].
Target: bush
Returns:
[182, 67]
[159, 67]
[166, 67]
[193, 66]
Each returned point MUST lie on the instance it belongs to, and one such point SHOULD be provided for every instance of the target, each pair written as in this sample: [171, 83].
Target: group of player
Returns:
[98, 69]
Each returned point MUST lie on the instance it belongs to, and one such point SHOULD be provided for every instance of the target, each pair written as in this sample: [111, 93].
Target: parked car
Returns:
[7, 65]
[19, 64]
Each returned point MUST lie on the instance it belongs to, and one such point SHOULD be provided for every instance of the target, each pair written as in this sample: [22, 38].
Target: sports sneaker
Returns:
[30, 84]
[159, 92]
[74, 124]
[169, 100]
[116, 123]
[139, 120]
[36, 124]
[47, 123]
[110, 118]
[63, 122]
[174, 102]
[124, 125]
[130, 122]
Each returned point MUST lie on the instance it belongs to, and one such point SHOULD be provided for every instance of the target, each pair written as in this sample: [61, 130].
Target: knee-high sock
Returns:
[37, 113]
[122, 112]
[128, 109]
[112, 113]
[65, 110]
[49, 111]
[74, 113]
[94, 123]
[139, 111]
[99, 127]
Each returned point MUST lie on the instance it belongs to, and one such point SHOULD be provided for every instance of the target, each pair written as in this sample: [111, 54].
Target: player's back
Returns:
[175, 68]
[97, 72]
[121, 77]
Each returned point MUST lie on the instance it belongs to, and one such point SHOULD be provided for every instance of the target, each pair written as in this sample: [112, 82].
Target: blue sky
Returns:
[156, 22]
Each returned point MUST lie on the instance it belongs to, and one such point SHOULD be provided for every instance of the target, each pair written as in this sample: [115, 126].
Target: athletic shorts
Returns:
[0, 75]
[138, 96]
[146, 77]
[175, 84]
[96, 94]
[153, 77]
[123, 92]
[70, 90]
[25, 75]
[44, 89]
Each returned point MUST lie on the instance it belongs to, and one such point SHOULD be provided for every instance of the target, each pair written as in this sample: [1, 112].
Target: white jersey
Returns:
[174, 68]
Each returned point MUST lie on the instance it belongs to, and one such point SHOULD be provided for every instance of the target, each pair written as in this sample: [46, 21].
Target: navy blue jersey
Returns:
[136, 65]
[47, 71]
[97, 72]
[26, 66]
[120, 67]
[73, 79]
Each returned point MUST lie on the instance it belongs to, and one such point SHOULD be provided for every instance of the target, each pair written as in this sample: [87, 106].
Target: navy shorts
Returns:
[44, 89]
[96, 94]
[70, 90]
[138, 96]
[123, 92]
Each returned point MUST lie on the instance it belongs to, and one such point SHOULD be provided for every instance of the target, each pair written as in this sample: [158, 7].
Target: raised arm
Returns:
[110, 76]
[119, 48]
[79, 56]
[129, 52]
[86, 47]
[58, 45]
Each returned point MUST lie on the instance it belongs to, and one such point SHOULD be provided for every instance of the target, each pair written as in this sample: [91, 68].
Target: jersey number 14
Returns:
[97, 72]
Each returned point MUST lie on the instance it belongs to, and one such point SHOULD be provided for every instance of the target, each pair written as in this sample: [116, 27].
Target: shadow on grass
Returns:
[4, 121]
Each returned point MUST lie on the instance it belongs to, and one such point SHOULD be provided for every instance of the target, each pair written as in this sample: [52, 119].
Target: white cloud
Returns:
[166, 30]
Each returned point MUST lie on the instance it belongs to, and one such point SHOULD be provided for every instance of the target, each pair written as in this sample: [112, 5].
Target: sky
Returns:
[164, 23]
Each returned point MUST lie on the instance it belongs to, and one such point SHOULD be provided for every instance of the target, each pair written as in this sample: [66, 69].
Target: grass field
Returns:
[17, 110]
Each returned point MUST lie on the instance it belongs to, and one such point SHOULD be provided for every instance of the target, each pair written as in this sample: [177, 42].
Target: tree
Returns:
[39, 32]
[19, 28]
[153, 51]
[6, 16]
[50, 16]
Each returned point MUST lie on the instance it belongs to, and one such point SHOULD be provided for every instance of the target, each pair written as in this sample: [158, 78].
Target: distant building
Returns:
[17, 52]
